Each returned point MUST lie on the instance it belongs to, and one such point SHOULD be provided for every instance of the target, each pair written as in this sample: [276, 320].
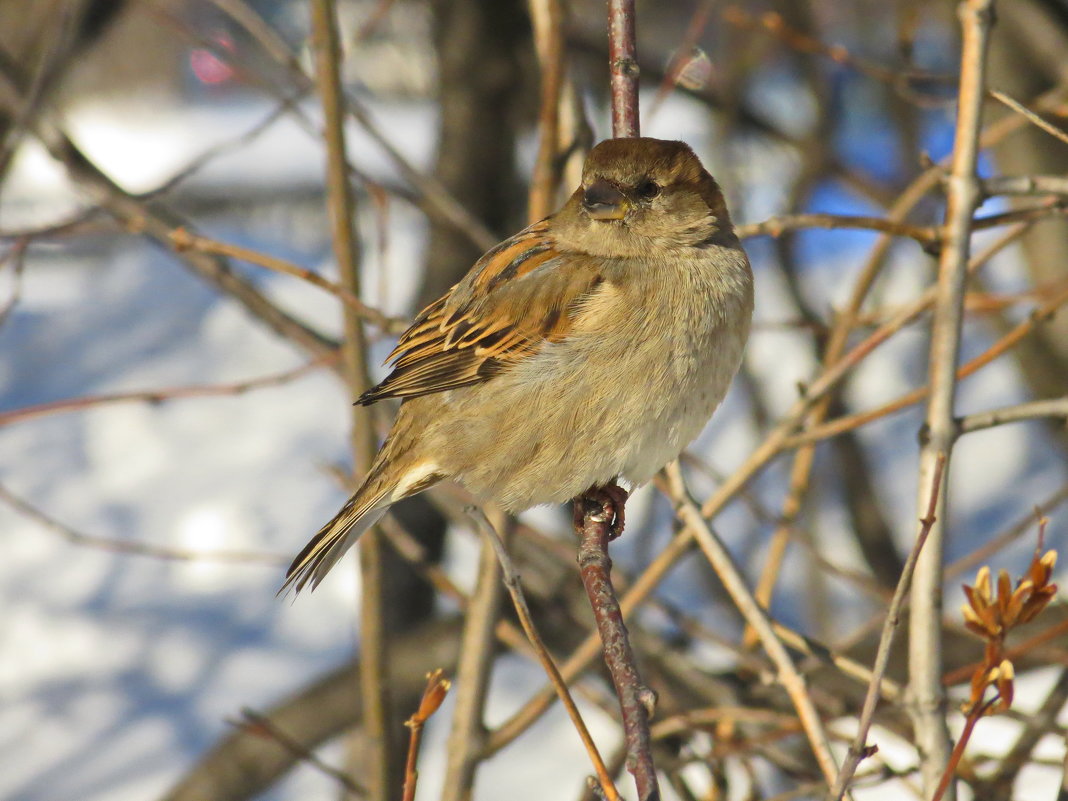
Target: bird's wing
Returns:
[518, 296]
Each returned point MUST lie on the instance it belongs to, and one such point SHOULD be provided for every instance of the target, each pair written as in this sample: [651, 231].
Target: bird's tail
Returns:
[362, 511]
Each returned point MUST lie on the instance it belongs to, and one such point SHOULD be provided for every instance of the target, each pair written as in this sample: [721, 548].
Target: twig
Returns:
[857, 749]
[241, 767]
[594, 523]
[727, 572]
[1027, 646]
[1013, 532]
[1033, 118]
[184, 240]
[467, 734]
[547, 17]
[1001, 346]
[1035, 728]
[25, 413]
[433, 197]
[380, 760]
[926, 693]
[157, 222]
[436, 688]
[774, 24]
[926, 235]
[284, 106]
[515, 589]
[623, 68]
[262, 726]
[1025, 185]
[973, 716]
[74, 537]
[1057, 407]
[16, 256]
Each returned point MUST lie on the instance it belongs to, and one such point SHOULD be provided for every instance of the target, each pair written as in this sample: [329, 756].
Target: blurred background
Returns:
[173, 427]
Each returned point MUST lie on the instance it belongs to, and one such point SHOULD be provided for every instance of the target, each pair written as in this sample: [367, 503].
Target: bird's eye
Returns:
[648, 189]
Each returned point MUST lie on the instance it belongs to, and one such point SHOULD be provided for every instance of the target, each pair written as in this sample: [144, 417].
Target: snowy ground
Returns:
[118, 670]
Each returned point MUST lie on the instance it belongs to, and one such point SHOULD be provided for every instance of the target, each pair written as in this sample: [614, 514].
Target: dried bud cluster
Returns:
[993, 615]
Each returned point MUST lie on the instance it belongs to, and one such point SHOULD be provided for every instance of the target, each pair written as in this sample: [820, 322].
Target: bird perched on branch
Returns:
[591, 346]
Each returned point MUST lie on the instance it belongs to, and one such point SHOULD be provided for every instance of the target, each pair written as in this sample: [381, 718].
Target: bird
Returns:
[590, 347]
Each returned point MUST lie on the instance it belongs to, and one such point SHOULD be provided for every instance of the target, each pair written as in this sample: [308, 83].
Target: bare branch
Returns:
[515, 589]
[727, 572]
[926, 693]
[857, 749]
[623, 68]
[381, 762]
[132, 548]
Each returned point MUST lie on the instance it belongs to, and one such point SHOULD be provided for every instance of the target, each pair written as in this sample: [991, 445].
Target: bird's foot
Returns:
[612, 500]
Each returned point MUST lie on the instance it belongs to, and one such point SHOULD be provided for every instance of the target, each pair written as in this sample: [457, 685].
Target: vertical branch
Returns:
[477, 650]
[623, 68]
[594, 524]
[598, 514]
[548, 18]
[926, 693]
[731, 577]
[380, 763]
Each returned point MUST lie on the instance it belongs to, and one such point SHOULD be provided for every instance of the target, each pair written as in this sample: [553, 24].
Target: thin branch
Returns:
[926, 235]
[380, 761]
[1011, 534]
[904, 83]
[27, 509]
[623, 68]
[432, 196]
[595, 520]
[262, 726]
[857, 749]
[433, 696]
[1034, 410]
[727, 572]
[162, 395]
[1031, 117]
[183, 240]
[1035, 728]
[926, 693]
[1001, 346]
[157, 222]
[467, 734]
[16, 257]
[1025, 185]
[548, 20]
[515, 589]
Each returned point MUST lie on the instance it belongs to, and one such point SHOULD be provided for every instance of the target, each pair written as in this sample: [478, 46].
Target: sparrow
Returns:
[591, 346]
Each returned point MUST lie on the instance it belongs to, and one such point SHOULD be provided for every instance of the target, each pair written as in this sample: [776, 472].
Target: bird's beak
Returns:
[604, 201]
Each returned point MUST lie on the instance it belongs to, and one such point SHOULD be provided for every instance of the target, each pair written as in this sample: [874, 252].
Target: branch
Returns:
[381, 761]
[467, 733]
[755, 616]
[160, 395]
[548, 20]
[597, 517]
[857, 749]
[184, 240]
[926, 693]
[623, 68]
[515, 589]
[1031, 117]
[74, 537]
[260, 726]
[240, 767]
[1057, 407]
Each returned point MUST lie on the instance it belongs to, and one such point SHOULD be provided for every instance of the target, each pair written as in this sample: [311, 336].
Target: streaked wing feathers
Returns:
[518, 296]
